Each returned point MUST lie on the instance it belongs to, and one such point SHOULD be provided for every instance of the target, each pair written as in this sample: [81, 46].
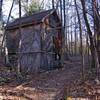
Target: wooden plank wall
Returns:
[30, 62]
[34, 38]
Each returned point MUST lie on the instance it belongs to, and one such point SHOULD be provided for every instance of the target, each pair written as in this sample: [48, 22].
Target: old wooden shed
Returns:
[41, 41]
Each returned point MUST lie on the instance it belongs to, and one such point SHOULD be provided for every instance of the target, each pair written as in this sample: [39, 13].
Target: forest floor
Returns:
[59, 84]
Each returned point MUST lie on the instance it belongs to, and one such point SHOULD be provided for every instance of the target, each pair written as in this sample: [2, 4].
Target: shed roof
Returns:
[29, 20]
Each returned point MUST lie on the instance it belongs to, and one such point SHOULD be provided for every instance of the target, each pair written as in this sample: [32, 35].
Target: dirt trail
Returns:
[45, 86]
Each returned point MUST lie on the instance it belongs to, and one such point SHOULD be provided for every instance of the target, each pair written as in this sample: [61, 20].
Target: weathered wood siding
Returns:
[47, 44]
[12, 41]
[35, 38]
[30, 61]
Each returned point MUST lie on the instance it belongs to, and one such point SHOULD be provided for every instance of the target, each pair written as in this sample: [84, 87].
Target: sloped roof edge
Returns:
[35, 18]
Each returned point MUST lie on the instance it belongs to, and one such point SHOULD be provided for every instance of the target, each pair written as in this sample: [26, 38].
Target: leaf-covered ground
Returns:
[59, 84]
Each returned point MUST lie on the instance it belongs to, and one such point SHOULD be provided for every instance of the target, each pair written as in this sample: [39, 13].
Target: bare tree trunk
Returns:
[94, 54]
[8, 21]
[69, 47]
[53, 4]
[17, 64]
[67, 30]
[64, 14]
[96, 26]
[75, 47]
[97, 32]
[64, 21]
[71, 39]
[92, 45]
[1, 1]
[81, 40]
[88, 49]
[3, 40]
[61, 9]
